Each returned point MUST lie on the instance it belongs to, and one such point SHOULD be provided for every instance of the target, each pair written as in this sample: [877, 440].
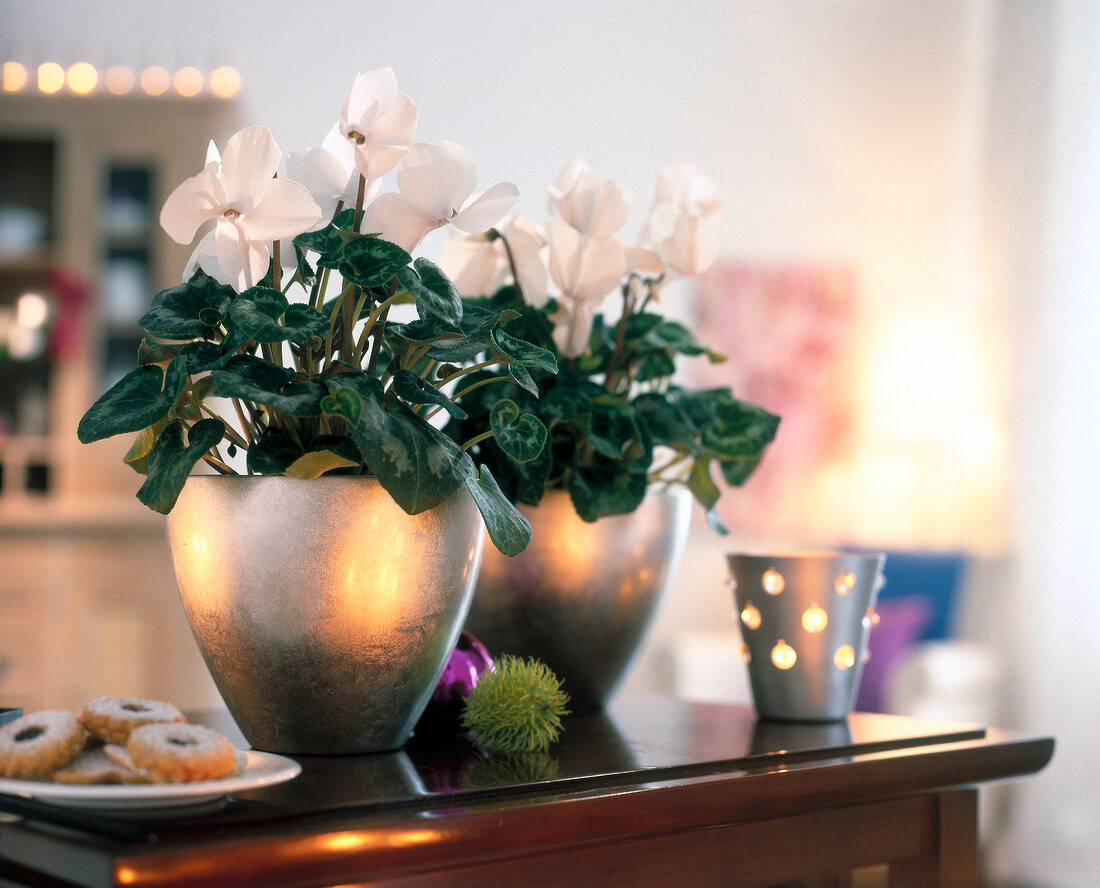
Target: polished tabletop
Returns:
[639, 744]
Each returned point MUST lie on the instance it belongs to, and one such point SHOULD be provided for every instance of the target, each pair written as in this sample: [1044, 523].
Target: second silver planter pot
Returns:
[582, 595]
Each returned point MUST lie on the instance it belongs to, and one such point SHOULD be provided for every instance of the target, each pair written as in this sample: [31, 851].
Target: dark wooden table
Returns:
[654, 792]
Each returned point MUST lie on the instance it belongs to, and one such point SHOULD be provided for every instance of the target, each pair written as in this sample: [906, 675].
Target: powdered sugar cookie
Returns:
[113, 718]
[179, 752]
[96, 766]
[37, 744]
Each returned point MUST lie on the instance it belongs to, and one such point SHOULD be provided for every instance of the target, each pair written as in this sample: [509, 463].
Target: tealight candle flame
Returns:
[750, 616]
[783, 655]
[845, 583]
[845, 657]
[814, 619]
[773, 581]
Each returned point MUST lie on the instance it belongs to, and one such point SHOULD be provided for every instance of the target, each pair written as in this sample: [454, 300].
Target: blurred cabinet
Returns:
[88, 611]
[85, 572]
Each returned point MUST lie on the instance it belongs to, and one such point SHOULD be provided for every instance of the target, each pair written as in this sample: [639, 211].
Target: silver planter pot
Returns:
[324, 612]
[805, 619]
[582, 595]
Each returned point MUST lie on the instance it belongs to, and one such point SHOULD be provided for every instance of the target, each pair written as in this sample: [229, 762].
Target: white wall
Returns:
[832, 126]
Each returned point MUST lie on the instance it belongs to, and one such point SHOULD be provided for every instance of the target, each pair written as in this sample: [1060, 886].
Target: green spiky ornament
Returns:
[516, 707]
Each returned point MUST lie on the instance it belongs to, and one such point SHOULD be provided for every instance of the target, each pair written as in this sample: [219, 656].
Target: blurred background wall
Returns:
[908, 272]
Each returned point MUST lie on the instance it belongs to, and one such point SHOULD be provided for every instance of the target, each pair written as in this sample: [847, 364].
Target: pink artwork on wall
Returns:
[789, 333]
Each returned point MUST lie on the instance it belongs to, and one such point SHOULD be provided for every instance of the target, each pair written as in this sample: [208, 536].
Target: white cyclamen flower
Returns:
[378, 122]
[478, 264]
[581, 200]
[682, 225]
[436, 183]
[585, 269]
[250, 205]
[683, 185]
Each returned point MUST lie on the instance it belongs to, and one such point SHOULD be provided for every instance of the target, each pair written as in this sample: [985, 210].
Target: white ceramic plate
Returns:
[260, 769]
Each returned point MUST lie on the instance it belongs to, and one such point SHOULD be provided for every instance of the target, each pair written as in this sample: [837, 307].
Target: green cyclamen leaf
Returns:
[507, 528]
[655, 365]
[565, 402]
[608, 488]
[611, 429]
[343, 402]
[415, 390]
[473, 333]
[273, 454]
[638, 325]
[254, 379]
[156, 352]
[522, 437]
[525, 353]
[324, 240]
[257, 312]
[186, 311]
[435, 295]
[367, 261]
[702, 485]
[136, 401]
[675, 336]
[523, 378]
[738, 471]
[741, 430]
[171, 461]
[417, 464]
[667, 423]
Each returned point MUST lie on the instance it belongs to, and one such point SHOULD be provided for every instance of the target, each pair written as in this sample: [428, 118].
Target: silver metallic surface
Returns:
[840, 585]
[582, 594]
[324, 612]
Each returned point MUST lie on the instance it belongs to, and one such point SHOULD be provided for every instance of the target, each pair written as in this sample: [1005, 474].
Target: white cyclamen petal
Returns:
[323, 175]
[286, 209]
[398, 220]
[243, 261]
[485, 212]
[434, 179]
[473, 263]
[371, 94]
[249, 164]
[192, 203]
[573, 327]
[388, 139]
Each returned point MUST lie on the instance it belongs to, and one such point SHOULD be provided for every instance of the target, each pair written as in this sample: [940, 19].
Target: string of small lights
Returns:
[83, 79]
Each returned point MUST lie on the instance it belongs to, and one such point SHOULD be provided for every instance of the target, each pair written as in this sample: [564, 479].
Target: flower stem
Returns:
[276, 265]
[368, 328]
[655, 474]
[469, 389]
[380, 328]
[221, 467]
[477, 439]
[478, 385]
[520, 300]
[611, 380]
[245, 424]
[337, 311]
[319, 284]
[347, 348]
[414, 356]
[230, 432]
